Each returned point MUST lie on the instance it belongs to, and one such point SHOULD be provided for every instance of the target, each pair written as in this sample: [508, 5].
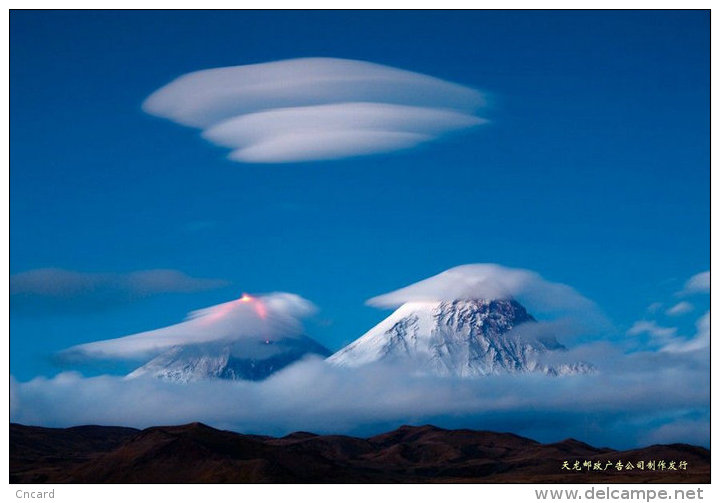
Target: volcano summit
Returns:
[462, 338]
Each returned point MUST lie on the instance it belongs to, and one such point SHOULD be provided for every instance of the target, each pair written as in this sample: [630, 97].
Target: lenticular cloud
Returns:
[492, 281]
[267, 316]
[315, 108]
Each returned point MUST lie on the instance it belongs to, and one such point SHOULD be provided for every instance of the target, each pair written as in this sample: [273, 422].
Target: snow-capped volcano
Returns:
[252, 359]
[461, 337]
[246, 338]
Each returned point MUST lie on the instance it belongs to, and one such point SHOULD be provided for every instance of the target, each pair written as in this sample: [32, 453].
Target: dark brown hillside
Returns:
[44, 454]
[196, 453]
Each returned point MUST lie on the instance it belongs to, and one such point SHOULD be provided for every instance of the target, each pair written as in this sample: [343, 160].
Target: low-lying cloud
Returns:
[266, 317]
[315, 108]
[54, 290]
[620, 406]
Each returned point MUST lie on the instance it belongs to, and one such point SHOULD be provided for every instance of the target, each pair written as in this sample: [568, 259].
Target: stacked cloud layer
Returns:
[315, 108]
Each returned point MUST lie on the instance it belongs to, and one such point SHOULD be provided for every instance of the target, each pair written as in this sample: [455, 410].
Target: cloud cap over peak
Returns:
[249, 317]
[491, 281]
[315, 108]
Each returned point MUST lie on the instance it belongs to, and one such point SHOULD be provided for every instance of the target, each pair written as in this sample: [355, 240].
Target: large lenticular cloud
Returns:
[315, 108]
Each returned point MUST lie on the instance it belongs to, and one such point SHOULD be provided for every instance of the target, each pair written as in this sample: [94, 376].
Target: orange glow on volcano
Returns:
[257, 304]
[260, 310]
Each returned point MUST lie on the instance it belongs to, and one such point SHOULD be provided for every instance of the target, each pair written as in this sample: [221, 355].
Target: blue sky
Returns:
[593, 170]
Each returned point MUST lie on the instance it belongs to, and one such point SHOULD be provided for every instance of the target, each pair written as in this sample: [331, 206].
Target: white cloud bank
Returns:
[315, 108]
[626, 400]
[266, 317]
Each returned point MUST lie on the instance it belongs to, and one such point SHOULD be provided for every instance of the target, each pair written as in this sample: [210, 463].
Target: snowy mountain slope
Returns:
[247, 360]
[461, 337]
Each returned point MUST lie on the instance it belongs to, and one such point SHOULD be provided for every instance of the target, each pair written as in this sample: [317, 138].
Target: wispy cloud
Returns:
[315, 108]
[671, 339]
[257, 318]
[679, 309]
[657, 332]
[700, 283]
[699, 342]
[52, 290]
[654, 307]
[694, 431]
[668, 339]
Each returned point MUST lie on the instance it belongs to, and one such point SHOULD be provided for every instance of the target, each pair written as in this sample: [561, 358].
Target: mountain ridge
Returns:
[198, 453]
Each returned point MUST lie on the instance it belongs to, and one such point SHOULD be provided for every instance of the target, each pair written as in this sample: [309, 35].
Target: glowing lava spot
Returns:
[259, 307]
